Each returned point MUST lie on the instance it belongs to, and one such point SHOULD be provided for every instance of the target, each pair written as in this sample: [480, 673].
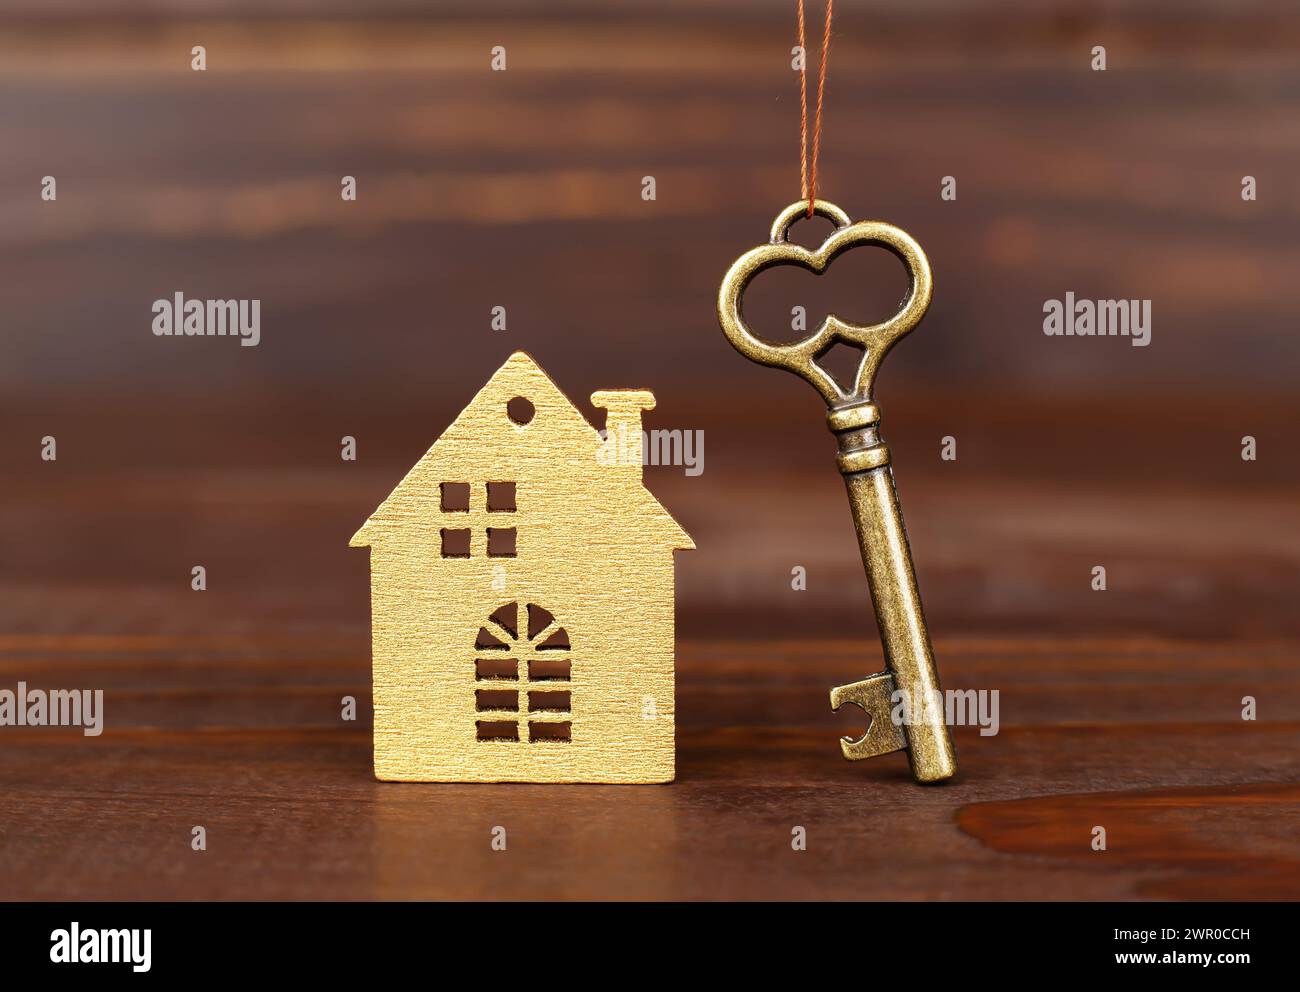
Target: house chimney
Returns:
[623, 447]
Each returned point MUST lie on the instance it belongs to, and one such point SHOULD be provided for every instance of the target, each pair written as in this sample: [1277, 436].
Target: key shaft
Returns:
[864, 460]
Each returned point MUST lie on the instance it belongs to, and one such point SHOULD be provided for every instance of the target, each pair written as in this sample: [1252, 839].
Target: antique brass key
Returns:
[864, 462]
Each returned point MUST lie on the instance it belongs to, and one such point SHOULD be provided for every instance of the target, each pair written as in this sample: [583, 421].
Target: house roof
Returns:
[563, 430]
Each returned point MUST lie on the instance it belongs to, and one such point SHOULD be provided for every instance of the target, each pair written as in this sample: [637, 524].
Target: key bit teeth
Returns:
[873, 697]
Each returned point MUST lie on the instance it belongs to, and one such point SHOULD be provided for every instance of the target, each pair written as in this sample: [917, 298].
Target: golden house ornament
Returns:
[521, 580]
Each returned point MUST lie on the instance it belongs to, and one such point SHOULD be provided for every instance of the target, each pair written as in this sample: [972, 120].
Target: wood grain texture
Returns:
[223, 708]
[586, 579]
[242, 735]
[522, 188]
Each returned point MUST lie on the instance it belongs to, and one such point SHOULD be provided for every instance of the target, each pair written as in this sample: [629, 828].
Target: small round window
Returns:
[520, 410]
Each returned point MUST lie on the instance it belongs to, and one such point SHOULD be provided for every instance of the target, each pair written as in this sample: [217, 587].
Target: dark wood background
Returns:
[522, 188]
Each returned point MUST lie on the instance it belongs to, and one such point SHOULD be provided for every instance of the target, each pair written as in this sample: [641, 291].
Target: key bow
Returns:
[800, 357]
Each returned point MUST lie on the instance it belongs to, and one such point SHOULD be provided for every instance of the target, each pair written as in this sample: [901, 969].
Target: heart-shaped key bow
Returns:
[800, 357]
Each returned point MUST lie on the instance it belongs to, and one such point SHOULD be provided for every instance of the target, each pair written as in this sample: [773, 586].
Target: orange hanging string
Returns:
[803, 110]
[807, 169]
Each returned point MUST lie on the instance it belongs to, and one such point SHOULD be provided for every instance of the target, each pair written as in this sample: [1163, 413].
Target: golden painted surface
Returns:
[593, 549]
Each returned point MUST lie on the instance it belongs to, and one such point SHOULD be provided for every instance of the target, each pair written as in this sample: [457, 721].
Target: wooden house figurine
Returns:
[521, 581]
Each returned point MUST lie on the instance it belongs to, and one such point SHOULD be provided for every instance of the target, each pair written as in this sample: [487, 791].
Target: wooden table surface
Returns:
[1196, 804]
[1119, 709]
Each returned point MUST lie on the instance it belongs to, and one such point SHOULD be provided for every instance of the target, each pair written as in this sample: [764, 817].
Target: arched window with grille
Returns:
[522, 676]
